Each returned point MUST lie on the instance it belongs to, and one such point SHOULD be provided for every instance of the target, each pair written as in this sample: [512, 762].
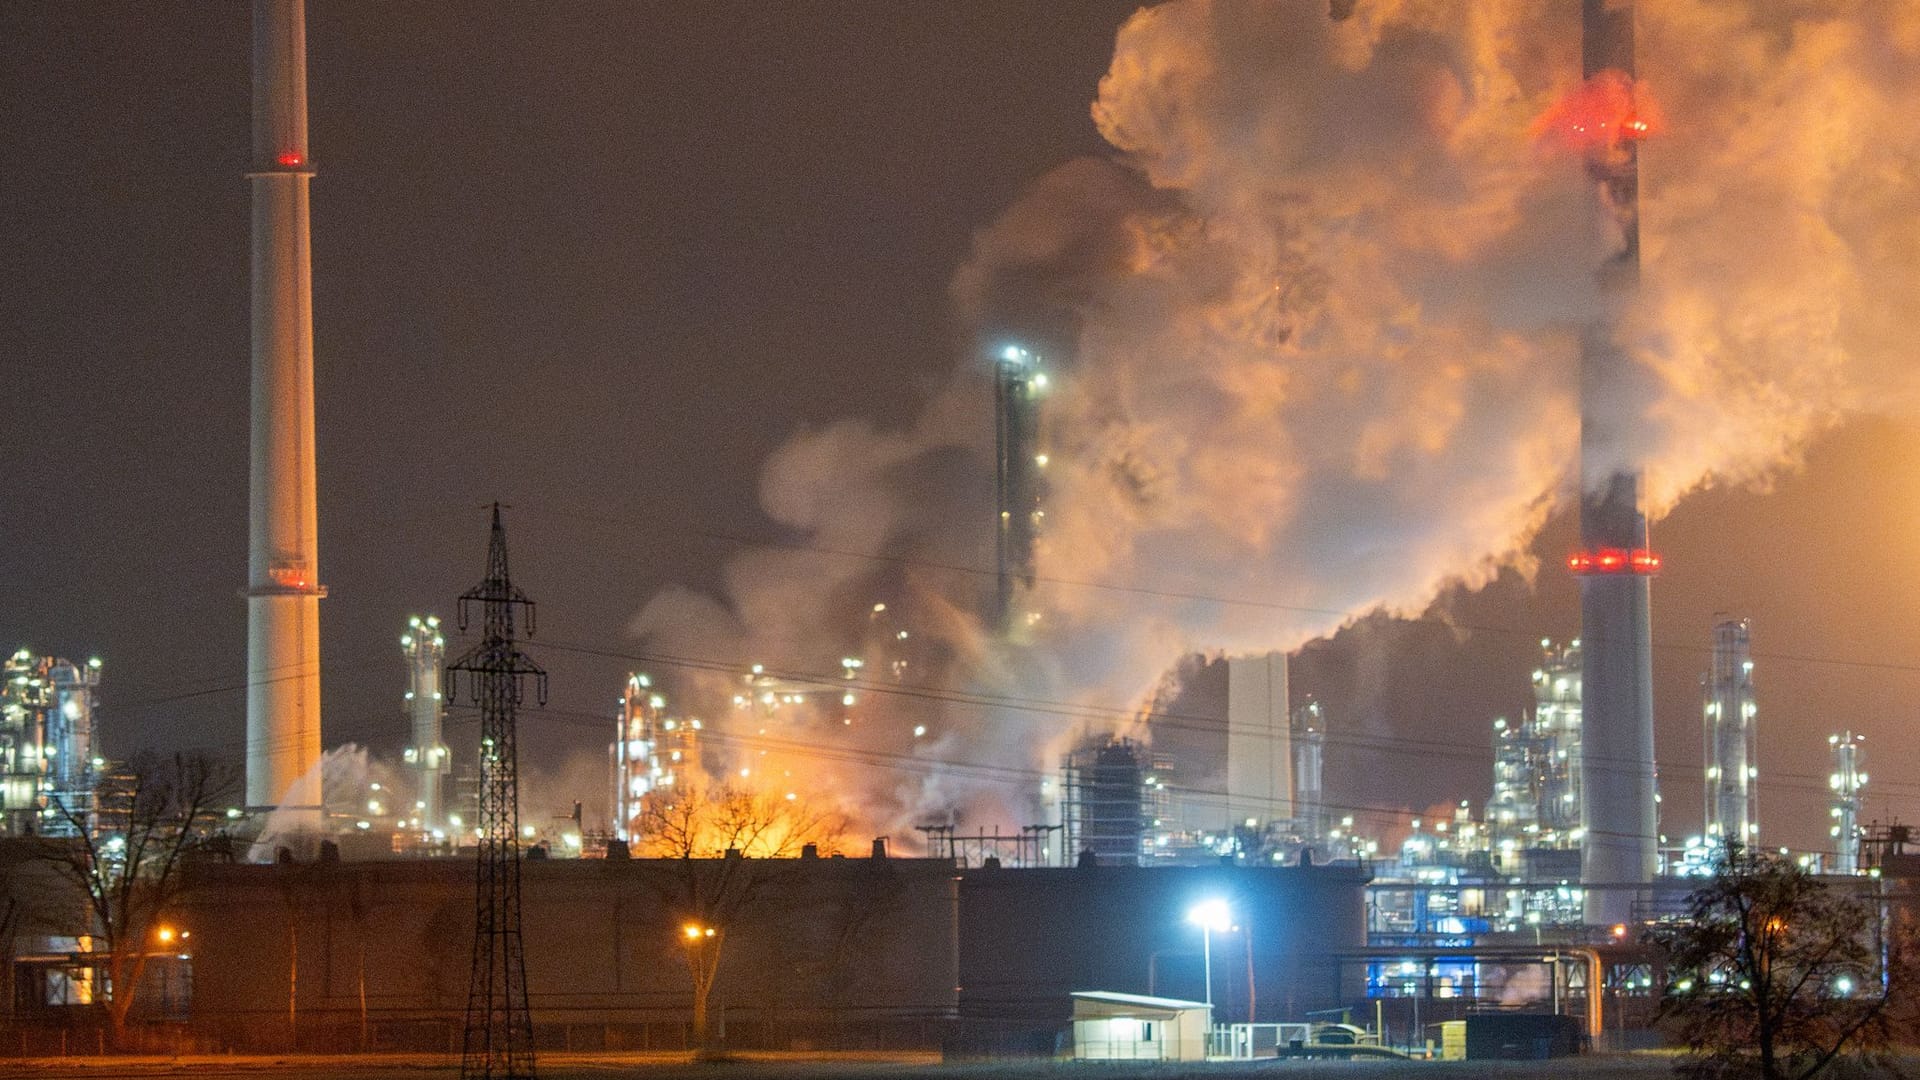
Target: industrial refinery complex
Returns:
[1189, 862]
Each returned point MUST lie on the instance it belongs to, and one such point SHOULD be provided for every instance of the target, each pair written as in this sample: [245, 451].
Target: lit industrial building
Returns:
[1106, 804]
[1847, 785]
[1537, 769]
[426, 755]
[767, 696]
[1259, 795]
[1019, 461]
[47, 754]
[1732, 766]
[1244, 758]
[651, 750]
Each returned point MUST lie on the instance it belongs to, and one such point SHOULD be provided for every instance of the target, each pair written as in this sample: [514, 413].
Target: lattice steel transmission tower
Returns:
[499, 1031]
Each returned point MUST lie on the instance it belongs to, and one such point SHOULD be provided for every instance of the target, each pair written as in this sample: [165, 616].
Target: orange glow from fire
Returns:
[1608, 109]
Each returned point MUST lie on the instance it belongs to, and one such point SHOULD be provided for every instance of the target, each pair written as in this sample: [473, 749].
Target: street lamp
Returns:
[703, 963]
[1209, 916]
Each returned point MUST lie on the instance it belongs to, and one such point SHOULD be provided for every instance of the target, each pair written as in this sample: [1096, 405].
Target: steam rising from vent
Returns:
[1313, 330]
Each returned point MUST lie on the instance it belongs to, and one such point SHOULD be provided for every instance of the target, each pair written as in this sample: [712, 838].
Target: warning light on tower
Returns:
[1614, 561]
[1606, 110]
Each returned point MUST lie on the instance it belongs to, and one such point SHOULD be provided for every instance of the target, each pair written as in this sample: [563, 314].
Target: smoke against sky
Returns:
[1314, 331]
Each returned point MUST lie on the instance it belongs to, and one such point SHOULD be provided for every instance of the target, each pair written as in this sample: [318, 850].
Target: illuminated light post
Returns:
[703, 947]
[1210, 916]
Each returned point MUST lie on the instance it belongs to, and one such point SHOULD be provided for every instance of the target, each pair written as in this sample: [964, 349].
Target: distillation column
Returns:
[425, 647]
[1018, 461]
[1732, 765]
[1847, 785]
[283, 589]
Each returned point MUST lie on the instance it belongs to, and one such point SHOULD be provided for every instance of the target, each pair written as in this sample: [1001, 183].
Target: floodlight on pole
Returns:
[1209, 916]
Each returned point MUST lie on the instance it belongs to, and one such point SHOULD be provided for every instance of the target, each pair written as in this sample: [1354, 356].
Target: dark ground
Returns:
[816, 1067]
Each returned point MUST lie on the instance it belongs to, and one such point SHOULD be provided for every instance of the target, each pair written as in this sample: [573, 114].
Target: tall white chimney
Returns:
[283, 565]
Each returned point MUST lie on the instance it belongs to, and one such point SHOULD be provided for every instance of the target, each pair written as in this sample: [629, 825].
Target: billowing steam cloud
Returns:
[1315, 331]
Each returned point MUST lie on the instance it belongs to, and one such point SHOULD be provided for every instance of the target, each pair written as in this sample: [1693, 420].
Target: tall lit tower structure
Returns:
[1309, 771]
[1619, 851]
[1018, 383]
[1559, 692]
[425, 647]
[1733, 804]
[283, 572]
[651, 751]
[1847, 784]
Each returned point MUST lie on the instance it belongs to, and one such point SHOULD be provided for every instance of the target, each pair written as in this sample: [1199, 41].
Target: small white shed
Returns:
[1108, 1026]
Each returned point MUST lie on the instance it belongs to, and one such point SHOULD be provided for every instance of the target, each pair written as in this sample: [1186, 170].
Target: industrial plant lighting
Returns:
[1209, 916]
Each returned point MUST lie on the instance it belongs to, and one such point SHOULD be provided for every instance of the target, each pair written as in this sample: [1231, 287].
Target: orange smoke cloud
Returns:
[1313, 324]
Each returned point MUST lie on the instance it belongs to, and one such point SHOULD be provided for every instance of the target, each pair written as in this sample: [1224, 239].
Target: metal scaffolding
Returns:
[1107, 803]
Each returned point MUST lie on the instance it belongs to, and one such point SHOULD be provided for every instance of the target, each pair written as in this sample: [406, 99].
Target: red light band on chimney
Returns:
[1614, 561]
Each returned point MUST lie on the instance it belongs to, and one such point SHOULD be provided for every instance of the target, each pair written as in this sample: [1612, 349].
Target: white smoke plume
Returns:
[1316, 327]
[350, 776]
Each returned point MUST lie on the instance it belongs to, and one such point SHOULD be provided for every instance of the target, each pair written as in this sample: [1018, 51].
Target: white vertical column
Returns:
[283, 588]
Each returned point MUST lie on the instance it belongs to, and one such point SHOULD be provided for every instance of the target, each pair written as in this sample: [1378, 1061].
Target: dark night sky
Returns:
[597, 260]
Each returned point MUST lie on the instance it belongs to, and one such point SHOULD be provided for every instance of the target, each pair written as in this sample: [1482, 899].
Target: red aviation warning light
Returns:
[291, 159]
[1608, 109]
[1614, 561]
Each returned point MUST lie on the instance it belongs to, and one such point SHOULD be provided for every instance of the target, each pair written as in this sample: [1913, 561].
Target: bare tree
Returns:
[127, 857]
[1773, 970]
[728, 843]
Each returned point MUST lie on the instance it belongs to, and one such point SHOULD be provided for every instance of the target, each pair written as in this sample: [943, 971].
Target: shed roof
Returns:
[1111, 1003]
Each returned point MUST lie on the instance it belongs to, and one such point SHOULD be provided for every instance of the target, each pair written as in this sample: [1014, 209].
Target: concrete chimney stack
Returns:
[1619, 849]
[283, 566]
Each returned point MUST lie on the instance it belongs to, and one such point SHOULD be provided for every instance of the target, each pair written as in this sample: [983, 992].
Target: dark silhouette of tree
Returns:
[730, 846]
[127, 860]
[1775, 973]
